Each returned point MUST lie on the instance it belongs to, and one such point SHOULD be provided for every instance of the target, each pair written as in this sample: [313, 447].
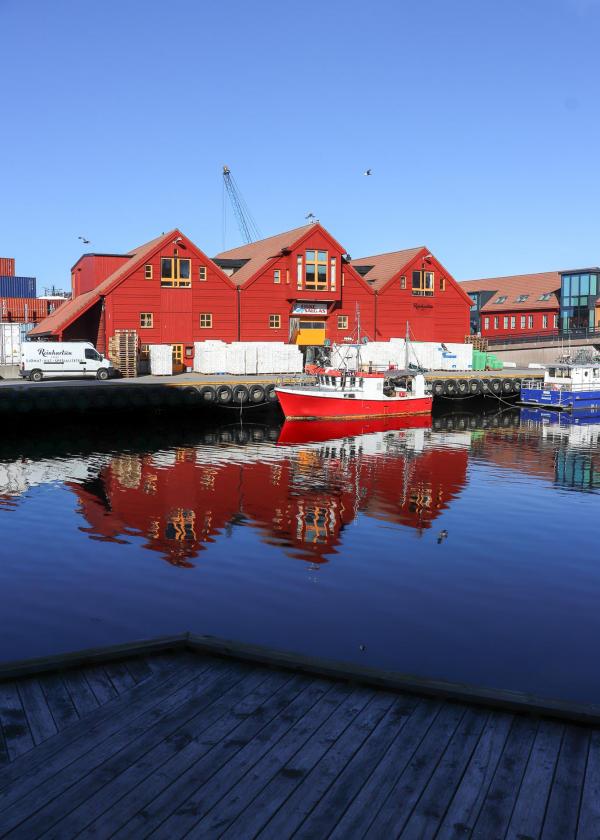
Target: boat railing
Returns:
[560, 386]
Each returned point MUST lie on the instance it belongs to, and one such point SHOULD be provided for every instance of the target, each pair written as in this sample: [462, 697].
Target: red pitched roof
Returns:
[533, 285]
[68, 312]
[258, 253]
[386, 266]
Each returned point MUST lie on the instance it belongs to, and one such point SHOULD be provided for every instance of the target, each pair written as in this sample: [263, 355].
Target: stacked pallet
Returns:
[478, 341]
[122, 351]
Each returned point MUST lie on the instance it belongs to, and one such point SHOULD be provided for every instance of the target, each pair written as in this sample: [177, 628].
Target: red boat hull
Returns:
[307, 406]
[298, 431]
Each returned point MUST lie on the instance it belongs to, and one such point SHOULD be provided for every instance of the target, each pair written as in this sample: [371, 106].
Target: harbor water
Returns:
[463, 547]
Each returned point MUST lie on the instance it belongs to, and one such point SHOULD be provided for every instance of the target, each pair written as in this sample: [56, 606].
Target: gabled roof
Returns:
[385, 266]
[68, 312]
[511, 287]
[256, 254]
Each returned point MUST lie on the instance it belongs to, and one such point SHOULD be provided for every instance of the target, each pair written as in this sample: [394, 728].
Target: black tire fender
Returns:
[224, 394]
[463, 387]
[451, 388]
[257, 394]
[507, 386]
[208, 394]
[438, 388]
[474, 387]
[241, 395]
[496, 386]
[270, 394]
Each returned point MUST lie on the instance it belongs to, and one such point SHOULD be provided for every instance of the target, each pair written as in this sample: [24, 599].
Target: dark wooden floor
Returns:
[184, 744]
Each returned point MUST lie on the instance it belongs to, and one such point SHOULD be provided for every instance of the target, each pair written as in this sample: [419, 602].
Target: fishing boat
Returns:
[566, 386]
[353, 395]
[297, 432]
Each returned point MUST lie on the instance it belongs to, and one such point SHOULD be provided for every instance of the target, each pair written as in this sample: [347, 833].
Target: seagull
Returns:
[310, 216]
[84, 240]
[368, 172]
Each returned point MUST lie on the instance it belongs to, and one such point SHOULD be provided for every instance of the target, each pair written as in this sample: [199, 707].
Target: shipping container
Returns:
[7, 267]
[17, 287]
[25, 310]
[12, 337]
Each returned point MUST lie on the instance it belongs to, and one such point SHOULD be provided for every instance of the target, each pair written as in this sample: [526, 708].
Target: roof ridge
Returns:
[389, 253]
[267, 238]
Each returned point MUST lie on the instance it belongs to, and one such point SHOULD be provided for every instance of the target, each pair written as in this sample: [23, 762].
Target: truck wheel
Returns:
[102, 374]
[36, 376]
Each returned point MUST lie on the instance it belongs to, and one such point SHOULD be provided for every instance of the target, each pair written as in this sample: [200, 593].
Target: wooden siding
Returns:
[514, 332]
[92, 269]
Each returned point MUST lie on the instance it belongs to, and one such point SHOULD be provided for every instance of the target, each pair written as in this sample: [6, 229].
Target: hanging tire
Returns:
[438, 388]
[474, 387]
[462, 386]
[208, 394]
[485, 386]
[224, 394]
[257, 394]
[507, 386]
[450, 388]
[241, 395]
[496, 386]
[270, 394]
[516, 386]
[191, 396]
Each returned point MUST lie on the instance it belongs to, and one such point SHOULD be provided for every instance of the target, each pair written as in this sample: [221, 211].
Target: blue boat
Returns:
[567, 387]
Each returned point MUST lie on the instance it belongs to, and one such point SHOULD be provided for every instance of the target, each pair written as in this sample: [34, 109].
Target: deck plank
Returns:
[138, 668]
[351, 779]
[39, 716]
[432, 805]
[15, 728]
[176, 754]
[530, 807]
[82, 695]
[65, 790]
[283, 768]
[562, 813]
[471, 791]
[59, 700]
[197, 793]
[498, 804]
[100, 683]
[367, 803]
[589, 816]
[411, 783]
[120, 676]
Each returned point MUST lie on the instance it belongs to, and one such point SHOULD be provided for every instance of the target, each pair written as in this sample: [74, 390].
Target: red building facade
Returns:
[297, 287]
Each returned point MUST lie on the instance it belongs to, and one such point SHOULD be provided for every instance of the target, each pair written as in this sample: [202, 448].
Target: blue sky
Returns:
[479, 118]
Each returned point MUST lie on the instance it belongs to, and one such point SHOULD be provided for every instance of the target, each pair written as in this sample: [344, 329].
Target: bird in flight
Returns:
[368, 172]
[84, 240]
[310, 216]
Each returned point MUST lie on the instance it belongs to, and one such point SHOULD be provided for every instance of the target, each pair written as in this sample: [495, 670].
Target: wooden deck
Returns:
[185, 743]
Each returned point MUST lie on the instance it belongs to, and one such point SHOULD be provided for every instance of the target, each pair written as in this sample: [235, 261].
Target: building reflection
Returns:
[300, 494]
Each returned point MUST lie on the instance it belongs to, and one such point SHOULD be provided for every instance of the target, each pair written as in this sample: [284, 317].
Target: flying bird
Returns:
[310, 216]
[368, 172]
[84, 240]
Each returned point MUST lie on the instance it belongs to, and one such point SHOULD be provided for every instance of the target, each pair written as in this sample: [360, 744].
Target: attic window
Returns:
[545, 296]
[175, 272]
[522, 298]
[148, 272]
[403, 281]
[501, 299]
[201, 272]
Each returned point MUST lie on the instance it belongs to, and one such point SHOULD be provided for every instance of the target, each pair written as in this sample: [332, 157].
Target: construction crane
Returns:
[248, 227]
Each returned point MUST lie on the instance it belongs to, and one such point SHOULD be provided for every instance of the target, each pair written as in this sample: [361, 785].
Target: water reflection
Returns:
[301, 485]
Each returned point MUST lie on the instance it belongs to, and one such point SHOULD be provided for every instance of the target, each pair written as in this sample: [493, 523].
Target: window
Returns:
[275, 322]
[277, 275]
[299, 270]
[522, 322]
[91, 354]
[545, 296]
[530, 321]
[202, 272]
[332, 273]
[146, 320]
[442, 284]
[486, 323]
[403, 281]
[175, 272]
[505, 322]
[556, 322]
[315, 270]
[501, 299]
[522, 298]
[422, 283]
[206, 320]
[513, 322]
[148, 272]
[144, 352]
[545, 322]
[495, 322]
[342, 322]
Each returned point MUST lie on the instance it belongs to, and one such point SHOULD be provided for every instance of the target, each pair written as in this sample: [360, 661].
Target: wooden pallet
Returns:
[123, 352]
[478, 342]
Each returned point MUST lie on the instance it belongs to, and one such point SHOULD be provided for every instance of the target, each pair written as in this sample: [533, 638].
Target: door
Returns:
[177, 350]
[311, 332]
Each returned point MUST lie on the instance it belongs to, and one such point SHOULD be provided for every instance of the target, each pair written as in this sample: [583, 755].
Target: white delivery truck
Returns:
[50, 359]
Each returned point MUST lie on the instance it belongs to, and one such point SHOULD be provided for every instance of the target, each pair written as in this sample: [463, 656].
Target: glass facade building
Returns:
[578, 295]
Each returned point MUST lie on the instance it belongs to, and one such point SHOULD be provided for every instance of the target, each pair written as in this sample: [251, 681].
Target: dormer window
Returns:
[545, 296]
[522, 298]
[501, 299]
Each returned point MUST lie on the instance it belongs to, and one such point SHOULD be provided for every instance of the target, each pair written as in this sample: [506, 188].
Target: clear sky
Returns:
[479, 118]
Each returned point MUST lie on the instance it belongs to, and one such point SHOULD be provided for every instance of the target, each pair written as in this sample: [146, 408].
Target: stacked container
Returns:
[161, 360]
[17, 287]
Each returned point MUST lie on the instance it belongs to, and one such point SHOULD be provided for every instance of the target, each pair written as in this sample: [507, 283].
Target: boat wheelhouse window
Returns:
[353, 381]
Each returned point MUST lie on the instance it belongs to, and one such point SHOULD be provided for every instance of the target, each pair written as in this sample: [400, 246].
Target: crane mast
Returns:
[248, 227]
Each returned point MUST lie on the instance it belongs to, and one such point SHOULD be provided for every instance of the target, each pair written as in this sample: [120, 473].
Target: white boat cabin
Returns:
[579, 377]
[370, 385]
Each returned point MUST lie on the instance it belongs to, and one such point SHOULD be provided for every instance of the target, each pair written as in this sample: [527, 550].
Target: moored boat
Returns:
[348, 395]
[566, 386]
